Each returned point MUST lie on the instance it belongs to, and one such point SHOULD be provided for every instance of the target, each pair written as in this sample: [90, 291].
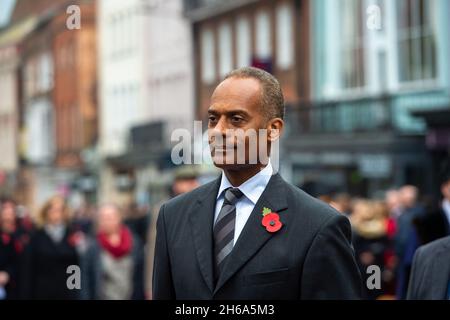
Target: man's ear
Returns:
[275, 128]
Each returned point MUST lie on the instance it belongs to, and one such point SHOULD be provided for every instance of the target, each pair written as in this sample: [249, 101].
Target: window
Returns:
[46, 72]
[285, 39]
[351, 58]
[121, 33]
[243, 42]
[3, 89]
[352, 28]
[416, 38]
[225, 49]
[65, 128]
[62, 57]
[207, 57]
[49, 131]
[263, 36]
[30, 73]
[76, 127]
[113, 33]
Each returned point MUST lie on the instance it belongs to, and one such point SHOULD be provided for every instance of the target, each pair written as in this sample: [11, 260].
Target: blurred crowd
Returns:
[35, 253]
[113, 246]
[387, 232]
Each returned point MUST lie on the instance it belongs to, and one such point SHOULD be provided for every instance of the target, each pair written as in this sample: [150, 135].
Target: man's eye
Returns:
[212, 118]
[236, 119]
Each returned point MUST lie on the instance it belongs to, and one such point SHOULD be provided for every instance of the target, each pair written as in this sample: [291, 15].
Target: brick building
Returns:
[56, 98]
[273, 35]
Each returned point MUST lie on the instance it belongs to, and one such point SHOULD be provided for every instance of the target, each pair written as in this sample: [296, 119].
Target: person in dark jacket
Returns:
[52, 249]
[7, 265]
[435, 224]
[430, 272]
[12, 241]
[431, 265]
[137, 220]
[406, 238]
[370, 240]
[113, 266]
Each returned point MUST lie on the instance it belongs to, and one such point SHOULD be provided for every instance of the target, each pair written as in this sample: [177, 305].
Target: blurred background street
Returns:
[91, 91]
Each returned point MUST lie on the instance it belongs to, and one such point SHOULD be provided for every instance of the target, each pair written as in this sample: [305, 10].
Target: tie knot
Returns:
[232, 195]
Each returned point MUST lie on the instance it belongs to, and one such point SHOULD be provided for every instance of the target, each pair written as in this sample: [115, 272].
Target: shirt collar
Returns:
[446, 208]
[253, 187]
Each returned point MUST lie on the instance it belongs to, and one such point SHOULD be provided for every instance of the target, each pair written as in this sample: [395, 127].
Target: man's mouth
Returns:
[222, 149]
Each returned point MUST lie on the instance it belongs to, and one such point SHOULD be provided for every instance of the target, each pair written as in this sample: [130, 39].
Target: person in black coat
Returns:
[12, 240]
[51, 250]
[431, 265]
[7, 265]
[370, 240]
[430, 272]
[435, 224]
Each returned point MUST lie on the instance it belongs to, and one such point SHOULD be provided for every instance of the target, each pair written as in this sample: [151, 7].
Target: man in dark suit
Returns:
[250, 234]
[430, 272]
[435, 223]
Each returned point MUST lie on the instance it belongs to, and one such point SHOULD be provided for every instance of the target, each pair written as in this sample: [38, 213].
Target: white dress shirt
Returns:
[446, 208]
[251, 189]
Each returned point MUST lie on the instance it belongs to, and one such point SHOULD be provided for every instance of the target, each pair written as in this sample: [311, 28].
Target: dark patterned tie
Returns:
[224, 229]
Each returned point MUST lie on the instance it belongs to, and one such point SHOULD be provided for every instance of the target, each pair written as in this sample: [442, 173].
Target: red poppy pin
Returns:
[271, 220]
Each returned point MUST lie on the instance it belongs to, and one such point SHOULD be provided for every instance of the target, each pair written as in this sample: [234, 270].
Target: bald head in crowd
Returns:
[408, 196]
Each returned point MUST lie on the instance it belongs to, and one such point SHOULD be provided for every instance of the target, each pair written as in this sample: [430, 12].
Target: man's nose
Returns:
[221, 127]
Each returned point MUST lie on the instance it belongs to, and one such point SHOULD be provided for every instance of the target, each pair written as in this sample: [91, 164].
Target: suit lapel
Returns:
[201, 219]
[254, 235]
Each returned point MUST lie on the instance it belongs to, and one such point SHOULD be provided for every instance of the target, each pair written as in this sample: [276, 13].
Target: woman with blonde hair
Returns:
[370, 240]
[51, 250]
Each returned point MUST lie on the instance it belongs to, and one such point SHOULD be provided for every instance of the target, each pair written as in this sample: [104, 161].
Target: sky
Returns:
[6, 7]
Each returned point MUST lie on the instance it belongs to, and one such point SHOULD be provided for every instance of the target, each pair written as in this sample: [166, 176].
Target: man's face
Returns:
[181, 186]
[109, 220]
[445, 189]
[7, 219]
[408, 196]
[236, 109]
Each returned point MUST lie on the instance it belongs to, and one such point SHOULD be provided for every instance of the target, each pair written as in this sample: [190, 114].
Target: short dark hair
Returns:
[272, 100]
[444, 172]
[446, 177]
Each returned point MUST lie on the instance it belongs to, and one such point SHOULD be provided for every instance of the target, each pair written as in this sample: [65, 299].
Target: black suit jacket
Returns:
[430, 272]
[310, 257]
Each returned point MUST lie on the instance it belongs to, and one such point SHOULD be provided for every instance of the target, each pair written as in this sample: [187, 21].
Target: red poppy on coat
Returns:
[272, 222]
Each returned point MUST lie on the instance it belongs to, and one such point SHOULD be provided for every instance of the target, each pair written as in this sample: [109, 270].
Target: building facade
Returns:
[273, 35]
[353, 73]
[375, 63]
[56, 97]
[10, 40]
[145, 91]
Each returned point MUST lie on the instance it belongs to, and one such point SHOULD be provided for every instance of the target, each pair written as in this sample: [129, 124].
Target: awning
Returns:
[438, 122]
[138, 158]
[17, 32]
[435, 118]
